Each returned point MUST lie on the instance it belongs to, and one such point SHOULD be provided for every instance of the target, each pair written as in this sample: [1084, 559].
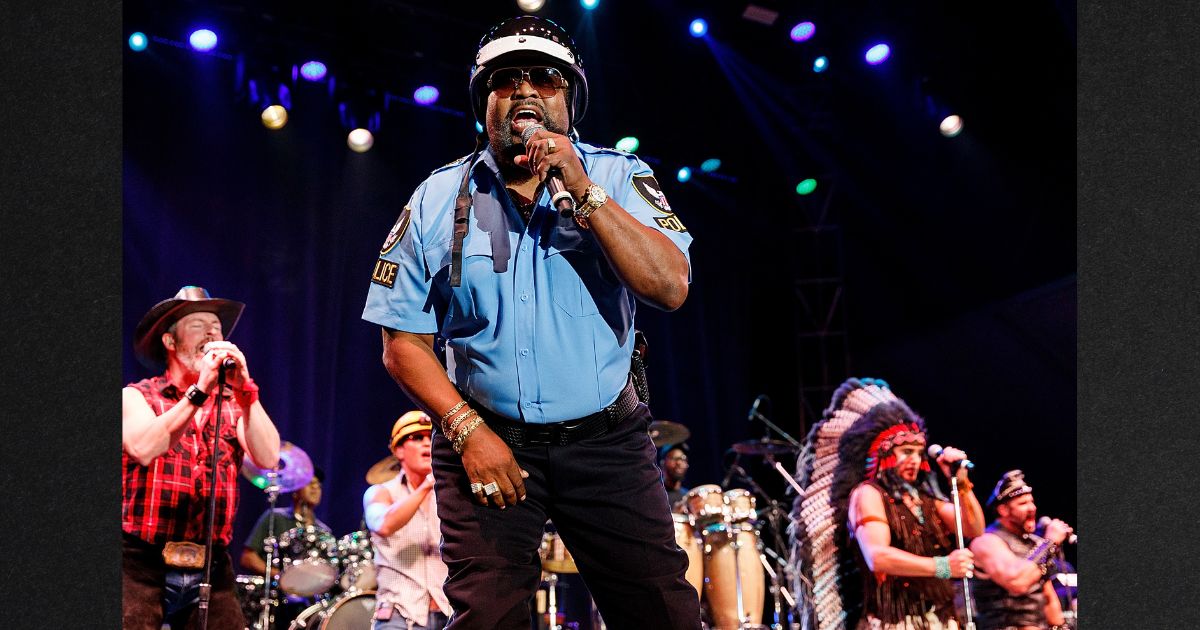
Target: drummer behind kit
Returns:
[334, 577]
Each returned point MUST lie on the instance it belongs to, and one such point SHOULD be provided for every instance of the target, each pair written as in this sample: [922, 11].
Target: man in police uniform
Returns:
[534, 413]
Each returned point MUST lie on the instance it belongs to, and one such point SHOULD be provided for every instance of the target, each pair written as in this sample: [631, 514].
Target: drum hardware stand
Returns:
[771, 425]
[269, 545]
[552, 600]
[206, 583]
[958, 530]
[774, 513]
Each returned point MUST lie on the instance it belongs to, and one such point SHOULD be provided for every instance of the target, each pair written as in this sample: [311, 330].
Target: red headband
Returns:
[903, 433]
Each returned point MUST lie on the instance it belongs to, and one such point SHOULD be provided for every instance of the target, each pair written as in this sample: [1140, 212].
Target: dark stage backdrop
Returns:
[290, 222]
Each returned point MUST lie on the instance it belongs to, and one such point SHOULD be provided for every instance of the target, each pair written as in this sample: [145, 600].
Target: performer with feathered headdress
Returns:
[872, 507]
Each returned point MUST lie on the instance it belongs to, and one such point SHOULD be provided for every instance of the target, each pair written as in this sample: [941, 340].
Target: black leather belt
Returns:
[520, 434]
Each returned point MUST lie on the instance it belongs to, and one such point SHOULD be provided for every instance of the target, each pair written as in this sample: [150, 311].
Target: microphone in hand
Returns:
[935, 451]
[560, 198]
[1044, 522]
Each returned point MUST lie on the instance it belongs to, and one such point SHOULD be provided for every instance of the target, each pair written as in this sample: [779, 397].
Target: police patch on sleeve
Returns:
[397, 232]
[385, 273]
[649, 189]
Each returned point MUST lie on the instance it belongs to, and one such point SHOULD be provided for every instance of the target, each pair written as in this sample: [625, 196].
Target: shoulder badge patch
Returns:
[385, 273]
[649, 189]
[397, 232]
[670, 223]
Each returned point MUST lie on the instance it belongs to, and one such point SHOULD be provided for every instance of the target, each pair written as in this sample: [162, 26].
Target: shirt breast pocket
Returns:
[461, 301]
[573, 265]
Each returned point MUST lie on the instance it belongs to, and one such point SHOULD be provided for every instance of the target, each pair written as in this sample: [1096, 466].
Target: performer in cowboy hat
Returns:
[167, 425]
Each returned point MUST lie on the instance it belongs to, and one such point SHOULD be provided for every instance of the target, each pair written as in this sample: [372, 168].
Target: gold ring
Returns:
[550, 148]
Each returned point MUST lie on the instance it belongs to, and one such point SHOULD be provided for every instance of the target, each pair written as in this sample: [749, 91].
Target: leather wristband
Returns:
[195, 396]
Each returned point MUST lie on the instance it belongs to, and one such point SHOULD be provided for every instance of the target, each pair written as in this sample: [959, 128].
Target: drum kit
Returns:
[333, 578]
[720, 530]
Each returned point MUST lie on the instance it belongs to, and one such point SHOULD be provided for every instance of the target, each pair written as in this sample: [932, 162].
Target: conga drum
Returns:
[687, 540]
[722, 572]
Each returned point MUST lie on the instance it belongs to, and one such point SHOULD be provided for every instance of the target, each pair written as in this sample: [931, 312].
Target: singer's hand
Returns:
[540, 160]
[945, 460]
[962, 563]
[1057, 531]
[486, 459]
[215, 353]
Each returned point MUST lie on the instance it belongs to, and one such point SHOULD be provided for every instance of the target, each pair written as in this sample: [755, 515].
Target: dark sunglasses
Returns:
[544, 79]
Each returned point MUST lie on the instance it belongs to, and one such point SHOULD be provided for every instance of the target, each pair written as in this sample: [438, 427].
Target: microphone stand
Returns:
[206, 583]
[958, 530]
[791, 440]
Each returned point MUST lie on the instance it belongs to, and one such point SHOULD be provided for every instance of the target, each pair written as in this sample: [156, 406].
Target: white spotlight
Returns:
[529, 6]
[360, 140]
[274, 117]
[951, 126]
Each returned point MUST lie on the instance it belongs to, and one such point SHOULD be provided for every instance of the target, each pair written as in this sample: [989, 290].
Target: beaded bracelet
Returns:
[942, 567]
[461, 438]
[450, 434]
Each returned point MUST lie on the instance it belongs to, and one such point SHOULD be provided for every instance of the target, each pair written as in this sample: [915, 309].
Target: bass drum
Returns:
[352, 611]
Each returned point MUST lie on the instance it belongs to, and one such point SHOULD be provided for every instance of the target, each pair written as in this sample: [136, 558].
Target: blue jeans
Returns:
[182, 589]
[437, 621]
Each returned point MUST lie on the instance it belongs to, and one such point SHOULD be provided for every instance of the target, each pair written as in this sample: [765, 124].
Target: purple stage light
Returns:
[803, 31]
[426, 95]
[313, 70]
[877, 54]
[203, 40]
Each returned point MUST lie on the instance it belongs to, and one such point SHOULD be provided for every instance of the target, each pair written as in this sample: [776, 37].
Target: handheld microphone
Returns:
[754, 408]
[935, 451]
[1044, 522]
[559, 197]
[229, 363]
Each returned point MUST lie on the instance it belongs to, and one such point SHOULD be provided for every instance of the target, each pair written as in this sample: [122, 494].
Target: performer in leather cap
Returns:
[535, 416]
[1014, 590]
[167, 425]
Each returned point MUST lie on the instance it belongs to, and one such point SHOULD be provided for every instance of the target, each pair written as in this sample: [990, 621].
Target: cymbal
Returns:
[295, 469]
[383, 470]
[764, 447]
[664, 432]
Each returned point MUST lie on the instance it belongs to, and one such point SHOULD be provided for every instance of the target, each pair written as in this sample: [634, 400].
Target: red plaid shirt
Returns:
[168, 500]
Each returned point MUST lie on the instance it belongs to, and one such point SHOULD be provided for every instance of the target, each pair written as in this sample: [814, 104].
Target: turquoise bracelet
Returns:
[943, 567]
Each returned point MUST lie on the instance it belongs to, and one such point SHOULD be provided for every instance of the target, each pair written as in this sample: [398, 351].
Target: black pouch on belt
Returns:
[637, 367]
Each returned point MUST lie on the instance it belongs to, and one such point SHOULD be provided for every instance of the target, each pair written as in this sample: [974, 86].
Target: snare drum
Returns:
[686, 538]
[706, 505]
[741, 506]
[351, 611]
[249, 590]
[308, 561]
[358, 562]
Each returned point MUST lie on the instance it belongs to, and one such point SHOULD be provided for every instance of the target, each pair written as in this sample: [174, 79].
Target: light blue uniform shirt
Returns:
[541, 328]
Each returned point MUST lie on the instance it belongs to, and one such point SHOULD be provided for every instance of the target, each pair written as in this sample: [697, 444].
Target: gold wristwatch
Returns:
[593, 198]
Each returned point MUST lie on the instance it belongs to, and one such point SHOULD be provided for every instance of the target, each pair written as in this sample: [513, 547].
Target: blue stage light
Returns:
[684, 174]
[820, 63]
[478, 127]
[803, 31]
[203, 40]
[710, 165]
[138, 42]
[313, 70]
[589, 4]
[628, 144]
[877, 54]
[426, 95]
[698, 27]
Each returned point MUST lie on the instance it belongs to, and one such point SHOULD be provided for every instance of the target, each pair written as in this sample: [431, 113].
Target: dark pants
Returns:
[607, 501]
[144, 586]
